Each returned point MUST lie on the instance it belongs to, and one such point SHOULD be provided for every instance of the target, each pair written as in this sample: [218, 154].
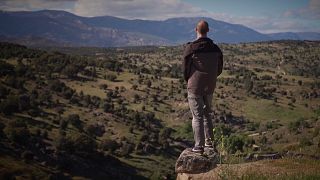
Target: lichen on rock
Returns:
[190, 162]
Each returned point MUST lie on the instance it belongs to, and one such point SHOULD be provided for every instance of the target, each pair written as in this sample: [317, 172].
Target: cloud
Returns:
[130, 9]
[304, 19]
[138, 9]
[311, 11]
[259, 23]
[31, 5]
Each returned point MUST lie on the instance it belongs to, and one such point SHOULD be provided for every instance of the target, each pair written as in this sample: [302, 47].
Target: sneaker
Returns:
[210, 145]
[197, 150]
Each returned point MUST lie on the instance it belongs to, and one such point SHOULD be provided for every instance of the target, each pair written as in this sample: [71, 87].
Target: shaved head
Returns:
[202, 27]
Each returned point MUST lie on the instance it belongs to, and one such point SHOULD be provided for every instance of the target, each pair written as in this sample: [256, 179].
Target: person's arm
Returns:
[187, 61]
[220, 63]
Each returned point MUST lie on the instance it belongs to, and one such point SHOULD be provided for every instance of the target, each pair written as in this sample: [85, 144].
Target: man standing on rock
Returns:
[202, 64]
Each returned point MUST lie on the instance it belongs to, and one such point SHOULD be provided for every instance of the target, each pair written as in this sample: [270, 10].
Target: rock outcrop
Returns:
[190, 162]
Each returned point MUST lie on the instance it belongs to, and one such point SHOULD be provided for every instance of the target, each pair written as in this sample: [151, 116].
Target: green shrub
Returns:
[18, 132]
[235, 143]
[109, 145]
[78, 143]
[316, 131]
[111, 77]
[304, 141]
[95, 129]
[74, 119]
[6, 68]
[125, 149]
[10, 105]
[252, 126]
[219, 132]
[298, 125]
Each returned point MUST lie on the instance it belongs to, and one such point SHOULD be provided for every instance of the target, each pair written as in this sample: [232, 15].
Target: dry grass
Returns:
[287, 168]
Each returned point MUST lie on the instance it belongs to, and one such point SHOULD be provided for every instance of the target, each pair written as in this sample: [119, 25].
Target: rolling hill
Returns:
[121, 113]
[60, 28]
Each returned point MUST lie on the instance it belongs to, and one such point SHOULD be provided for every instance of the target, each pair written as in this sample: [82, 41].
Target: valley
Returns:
[121, 113]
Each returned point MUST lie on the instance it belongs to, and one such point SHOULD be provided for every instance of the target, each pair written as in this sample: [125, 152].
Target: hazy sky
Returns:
[262, 15]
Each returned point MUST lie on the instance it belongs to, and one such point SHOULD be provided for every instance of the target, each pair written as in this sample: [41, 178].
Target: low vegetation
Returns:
[118, 112]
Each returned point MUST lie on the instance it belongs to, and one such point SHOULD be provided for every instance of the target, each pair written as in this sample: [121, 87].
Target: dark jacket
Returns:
[202, 64]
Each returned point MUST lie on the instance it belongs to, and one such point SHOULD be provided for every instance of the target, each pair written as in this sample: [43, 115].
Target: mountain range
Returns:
[61, 28]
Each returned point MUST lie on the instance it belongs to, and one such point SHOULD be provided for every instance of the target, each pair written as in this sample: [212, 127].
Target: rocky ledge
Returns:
[190, 162]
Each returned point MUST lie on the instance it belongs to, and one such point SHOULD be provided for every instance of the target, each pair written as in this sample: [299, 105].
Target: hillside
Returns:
[60, 28]
[121, 113]
[286, 168]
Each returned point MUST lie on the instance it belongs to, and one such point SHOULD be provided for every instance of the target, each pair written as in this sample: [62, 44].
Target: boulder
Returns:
[190, 162]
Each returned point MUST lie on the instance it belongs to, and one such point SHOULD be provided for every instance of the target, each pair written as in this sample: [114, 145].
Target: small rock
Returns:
[190, 162]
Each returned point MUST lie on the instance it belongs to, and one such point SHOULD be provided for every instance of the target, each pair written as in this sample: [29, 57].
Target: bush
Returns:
[252, 126]
[144, 137]
[131, 129]
[305, 142]
[71, 71]
[298, 125]
[3, 91]
[78, 143]
[56, 85]
[149, 83]
[186, 131]
[248, 84]
[74, 119]
[45, 134]
[269, 125]
[134, 87]
[24, 102]
[63, 124]
[95, 129]
[103, 86]
[10, 105]
[27, 155]
[14, 82]
[107, 107]
[111, 77]
[164, 134]
[221, 131]
[64, 144]
[18, 132]
[84, 143]
[263, 140]
[2, 126]
[125, 149]
[6, 68]
[109, 145]
[235, 143]
[316, 131]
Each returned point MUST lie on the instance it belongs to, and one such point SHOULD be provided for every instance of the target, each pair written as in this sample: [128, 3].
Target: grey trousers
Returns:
[200, 107]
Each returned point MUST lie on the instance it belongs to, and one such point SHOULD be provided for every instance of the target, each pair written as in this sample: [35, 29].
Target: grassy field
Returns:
[264, 110]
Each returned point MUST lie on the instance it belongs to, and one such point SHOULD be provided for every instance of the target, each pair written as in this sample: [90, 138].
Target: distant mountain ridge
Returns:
[295, 36]
[60, 28]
